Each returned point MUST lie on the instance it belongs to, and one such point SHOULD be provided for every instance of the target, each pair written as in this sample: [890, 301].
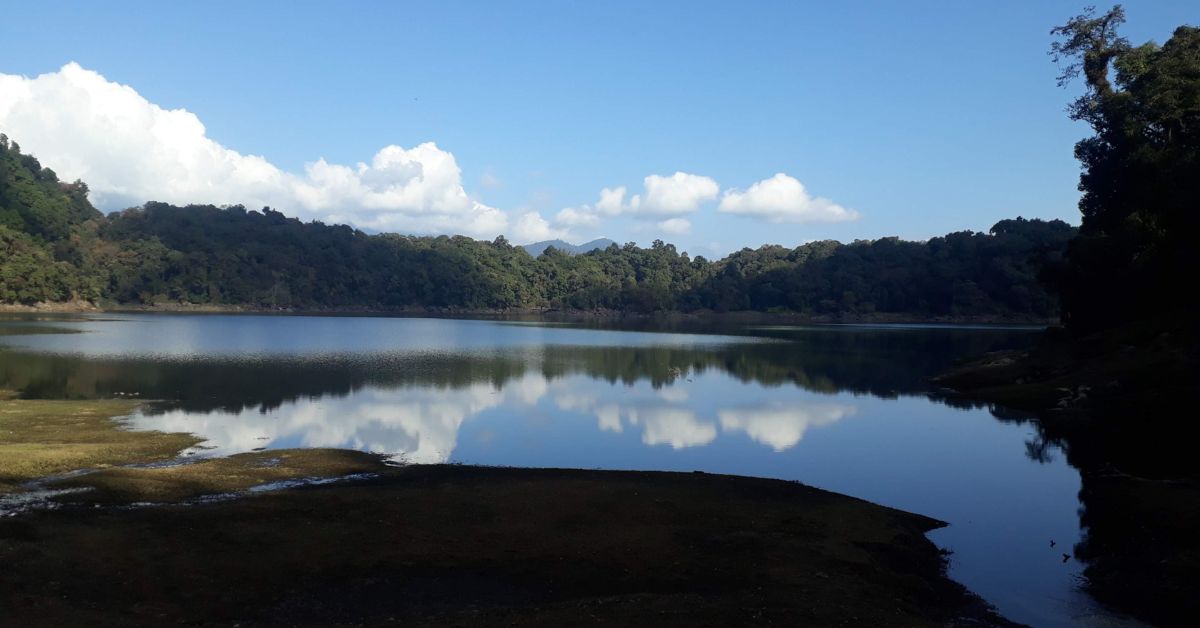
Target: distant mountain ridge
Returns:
[537, 248]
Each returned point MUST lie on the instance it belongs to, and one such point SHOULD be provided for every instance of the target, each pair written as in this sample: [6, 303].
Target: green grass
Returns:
[219, 475]
[40, 438]
[46, 437]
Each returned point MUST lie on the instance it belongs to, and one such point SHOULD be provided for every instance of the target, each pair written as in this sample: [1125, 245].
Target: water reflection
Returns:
[422, 424]
[415, 424]
[847, 409]
[203, 372]
[781, 425]
[406, 386]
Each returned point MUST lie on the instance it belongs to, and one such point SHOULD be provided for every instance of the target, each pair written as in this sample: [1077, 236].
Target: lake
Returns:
[844, 408]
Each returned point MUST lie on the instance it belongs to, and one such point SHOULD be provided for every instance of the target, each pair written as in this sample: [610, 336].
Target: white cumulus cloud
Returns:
[531, 227]
[129, 151]
[663, 197]
[680, 193]
[783, 199]
[612, 201]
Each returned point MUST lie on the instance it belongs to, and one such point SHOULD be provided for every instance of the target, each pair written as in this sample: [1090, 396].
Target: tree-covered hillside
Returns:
[56, 247]
[34, 201]
[40, 221]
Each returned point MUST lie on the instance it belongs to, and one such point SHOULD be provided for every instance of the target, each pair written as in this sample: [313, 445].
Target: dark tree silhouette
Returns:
[1140, 182]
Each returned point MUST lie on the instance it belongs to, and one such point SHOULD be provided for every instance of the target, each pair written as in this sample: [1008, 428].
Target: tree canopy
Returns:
[56, 247]
[1140, 179]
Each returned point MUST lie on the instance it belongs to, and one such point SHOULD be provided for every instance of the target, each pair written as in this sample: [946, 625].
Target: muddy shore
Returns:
[451, 545]
[202, 543]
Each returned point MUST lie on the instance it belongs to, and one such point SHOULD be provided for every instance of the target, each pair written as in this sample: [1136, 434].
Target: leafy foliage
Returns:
[1141, 172]
[61, 248]
[961, 273]
[28, 272]
[34, 201]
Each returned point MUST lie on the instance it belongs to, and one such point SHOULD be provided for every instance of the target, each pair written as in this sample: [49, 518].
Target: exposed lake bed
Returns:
[492, 545]
[448, 544]
[844, 409]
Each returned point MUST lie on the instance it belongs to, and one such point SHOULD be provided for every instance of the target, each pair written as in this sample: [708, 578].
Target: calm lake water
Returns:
[845, 408]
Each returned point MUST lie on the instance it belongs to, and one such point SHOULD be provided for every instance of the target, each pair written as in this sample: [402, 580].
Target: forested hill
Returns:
[537, 248]
[54, 246]
[41, 221]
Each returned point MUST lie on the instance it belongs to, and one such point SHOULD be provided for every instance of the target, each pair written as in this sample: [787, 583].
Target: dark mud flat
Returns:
[453, 545]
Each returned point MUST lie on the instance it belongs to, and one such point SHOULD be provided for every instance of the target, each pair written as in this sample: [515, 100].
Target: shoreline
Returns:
[700, 316]
[450, 544]
[333, 536]
[1115, 402]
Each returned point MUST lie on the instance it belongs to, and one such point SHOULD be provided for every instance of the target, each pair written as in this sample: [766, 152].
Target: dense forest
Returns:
[57, 247]
[1140, 179]
[1130, 353]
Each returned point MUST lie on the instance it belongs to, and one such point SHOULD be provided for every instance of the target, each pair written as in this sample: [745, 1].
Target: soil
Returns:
[456, 545]
[137, 535]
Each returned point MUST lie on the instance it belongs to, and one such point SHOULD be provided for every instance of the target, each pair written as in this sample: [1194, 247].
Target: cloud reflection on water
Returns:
[417, 424]
[781, 425]
[421, 424]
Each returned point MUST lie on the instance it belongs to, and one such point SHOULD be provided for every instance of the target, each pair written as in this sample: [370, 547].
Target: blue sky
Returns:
[915, 118]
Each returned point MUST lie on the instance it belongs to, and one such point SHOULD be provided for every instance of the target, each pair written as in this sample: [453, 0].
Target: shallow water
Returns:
[844, 408]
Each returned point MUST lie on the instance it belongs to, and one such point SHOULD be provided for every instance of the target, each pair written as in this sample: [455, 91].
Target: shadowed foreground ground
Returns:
[444, 545]
[432, 545]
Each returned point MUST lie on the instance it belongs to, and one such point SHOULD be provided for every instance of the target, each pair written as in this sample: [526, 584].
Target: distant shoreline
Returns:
[750, 316]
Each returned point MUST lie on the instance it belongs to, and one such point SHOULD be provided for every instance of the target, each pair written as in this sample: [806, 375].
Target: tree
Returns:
[57, 246]
[1140, 179]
